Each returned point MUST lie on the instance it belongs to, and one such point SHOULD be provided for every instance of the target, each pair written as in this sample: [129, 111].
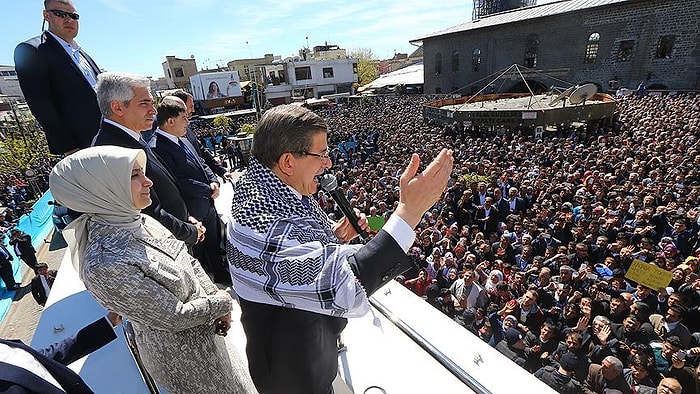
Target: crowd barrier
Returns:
[38, 224]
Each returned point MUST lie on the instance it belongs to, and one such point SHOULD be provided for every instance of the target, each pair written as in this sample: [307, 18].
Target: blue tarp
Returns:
[38, 225]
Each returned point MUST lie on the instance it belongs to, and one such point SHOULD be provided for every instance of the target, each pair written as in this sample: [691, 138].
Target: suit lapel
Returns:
[197, 162]
[114, 134]
[93, 65]
[49, 39]
[155, 160]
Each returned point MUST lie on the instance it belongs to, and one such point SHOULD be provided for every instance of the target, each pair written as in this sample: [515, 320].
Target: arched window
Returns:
[533, 42]
[438, 63]
[592, 48]
[476, 59]
[455, 61]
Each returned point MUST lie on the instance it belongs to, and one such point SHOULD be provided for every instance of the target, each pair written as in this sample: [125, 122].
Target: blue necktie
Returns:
[187, 151]
[305, 202]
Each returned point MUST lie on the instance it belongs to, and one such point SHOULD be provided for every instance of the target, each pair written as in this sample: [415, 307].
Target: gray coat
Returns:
[172, 305]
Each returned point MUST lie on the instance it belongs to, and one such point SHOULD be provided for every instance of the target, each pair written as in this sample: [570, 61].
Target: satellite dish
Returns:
[583, 93]
[191, 56]
[562, 96]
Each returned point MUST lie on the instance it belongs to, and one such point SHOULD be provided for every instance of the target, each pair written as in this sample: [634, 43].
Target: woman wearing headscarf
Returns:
[135, 267]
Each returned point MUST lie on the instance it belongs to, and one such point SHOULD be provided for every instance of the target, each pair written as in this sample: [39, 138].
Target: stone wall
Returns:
[561, 48]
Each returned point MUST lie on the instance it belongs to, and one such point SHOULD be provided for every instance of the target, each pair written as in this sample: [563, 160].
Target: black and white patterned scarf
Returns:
[283, 253]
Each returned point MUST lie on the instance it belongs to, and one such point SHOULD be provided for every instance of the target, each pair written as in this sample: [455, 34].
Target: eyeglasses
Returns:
[322, 157]
[64, 14]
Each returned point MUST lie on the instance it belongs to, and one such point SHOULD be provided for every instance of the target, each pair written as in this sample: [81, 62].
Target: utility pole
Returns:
[254, 92]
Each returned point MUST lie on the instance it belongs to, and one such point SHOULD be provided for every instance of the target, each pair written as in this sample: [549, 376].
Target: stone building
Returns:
[246, 67]
[178, 71]
[611, 43]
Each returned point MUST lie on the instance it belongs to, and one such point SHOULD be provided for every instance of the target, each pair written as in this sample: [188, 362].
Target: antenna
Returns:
[582, 93]
[562, 96]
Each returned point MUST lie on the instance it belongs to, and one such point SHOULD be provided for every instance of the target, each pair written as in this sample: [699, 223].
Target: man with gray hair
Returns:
[127, 106]
[607, 376]
[58, 78]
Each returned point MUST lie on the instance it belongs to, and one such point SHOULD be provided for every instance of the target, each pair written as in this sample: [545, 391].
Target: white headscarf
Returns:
[96, 182]
[489, 285]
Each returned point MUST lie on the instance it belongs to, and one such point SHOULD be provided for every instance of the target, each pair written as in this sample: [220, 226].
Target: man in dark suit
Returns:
[199, 184]
[501, 205]
[22, 242]
[127, 105]
[26, 370]
[481, 194]
[516, 205]
[42, 283]
[58, 78]
[6, 270]
[296, 278]
[486, 217]
[202, 152]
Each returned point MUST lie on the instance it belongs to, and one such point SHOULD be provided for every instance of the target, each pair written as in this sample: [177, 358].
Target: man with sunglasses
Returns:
[58, 78]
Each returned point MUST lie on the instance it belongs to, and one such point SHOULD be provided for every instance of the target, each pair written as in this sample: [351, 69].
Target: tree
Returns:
[222, 121]
[21, 149]
[366, 65]
[248, 128]
[22, 144]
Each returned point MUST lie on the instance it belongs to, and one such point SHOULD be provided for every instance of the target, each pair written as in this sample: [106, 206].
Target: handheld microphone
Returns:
[329, 184]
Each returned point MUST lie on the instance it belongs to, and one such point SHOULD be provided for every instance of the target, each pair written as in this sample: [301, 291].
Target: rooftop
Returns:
[520, 14]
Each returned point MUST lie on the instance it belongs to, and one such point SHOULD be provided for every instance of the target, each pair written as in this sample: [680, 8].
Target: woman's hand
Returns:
[223, 324]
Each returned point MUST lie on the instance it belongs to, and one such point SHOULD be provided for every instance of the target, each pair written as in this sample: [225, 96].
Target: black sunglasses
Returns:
[65, 14]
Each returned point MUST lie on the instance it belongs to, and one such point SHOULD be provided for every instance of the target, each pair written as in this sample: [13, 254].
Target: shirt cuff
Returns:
[402, 233]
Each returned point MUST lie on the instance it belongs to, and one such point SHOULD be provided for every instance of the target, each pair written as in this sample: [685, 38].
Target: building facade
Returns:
[307, 78]
[611, 43]
[246, 67]
[177, 72]
[9, 84]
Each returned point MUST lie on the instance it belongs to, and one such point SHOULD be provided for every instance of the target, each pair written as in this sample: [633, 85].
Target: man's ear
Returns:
[285, 164]
[117, 107]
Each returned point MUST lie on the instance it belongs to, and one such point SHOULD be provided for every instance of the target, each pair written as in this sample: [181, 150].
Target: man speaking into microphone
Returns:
[296, 276]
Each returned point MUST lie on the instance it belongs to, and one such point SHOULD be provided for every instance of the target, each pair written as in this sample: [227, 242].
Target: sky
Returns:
[137, 35]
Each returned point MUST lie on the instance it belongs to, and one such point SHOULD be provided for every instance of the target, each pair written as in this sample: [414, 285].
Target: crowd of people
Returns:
[530, 244]
[18, 191]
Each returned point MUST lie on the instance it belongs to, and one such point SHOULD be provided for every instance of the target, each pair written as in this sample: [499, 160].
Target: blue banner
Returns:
[38, 224]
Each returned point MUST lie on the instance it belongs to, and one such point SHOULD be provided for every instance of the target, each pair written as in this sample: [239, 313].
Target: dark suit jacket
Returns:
[55, 358]
[38, 289]
[294, 351]
[167, 207]
[57, 92]
[26, 249]
[491, 224]
[204, 153]
[195, 177]
[476, 198]
[503, 209]
[520, 206]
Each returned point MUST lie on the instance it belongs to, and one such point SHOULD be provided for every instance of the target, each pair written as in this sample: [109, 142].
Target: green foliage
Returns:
[222, 121]
[469, 179]
[248, 128]
[366, 65]
[19, 150]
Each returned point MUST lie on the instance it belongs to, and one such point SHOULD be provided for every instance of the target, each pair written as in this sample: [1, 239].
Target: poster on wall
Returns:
[210, 86]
